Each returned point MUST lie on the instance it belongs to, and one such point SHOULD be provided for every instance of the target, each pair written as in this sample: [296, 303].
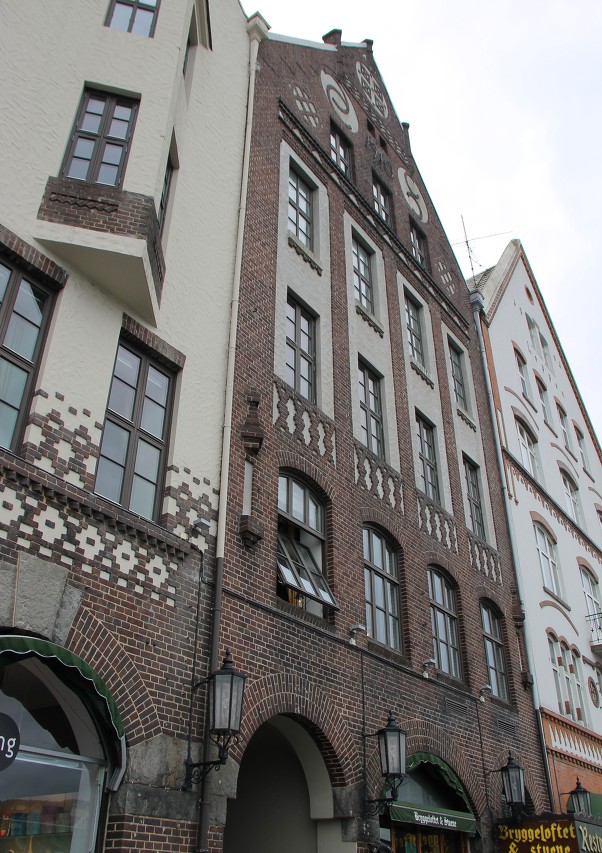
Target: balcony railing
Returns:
[595, 625]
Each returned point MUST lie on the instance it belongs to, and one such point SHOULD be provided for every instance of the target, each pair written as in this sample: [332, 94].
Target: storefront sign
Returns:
[10, 740]
[435, 817]
[589, 837]
[549, 836]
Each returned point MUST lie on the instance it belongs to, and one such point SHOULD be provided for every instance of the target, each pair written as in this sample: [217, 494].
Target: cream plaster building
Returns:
[553, 485]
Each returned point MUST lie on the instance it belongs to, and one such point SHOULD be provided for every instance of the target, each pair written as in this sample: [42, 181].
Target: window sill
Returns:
[370, 319]
[557, 598]
[385, 651]
[529, 401]
[303, 615]
[463, 415]
[110, 236]
[417, 368]
[304, 252]
[551, 428]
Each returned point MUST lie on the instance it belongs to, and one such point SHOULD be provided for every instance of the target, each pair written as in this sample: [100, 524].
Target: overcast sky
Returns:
[503, 98]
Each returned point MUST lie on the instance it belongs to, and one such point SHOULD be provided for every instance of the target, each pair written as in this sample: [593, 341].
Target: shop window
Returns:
[50, 795]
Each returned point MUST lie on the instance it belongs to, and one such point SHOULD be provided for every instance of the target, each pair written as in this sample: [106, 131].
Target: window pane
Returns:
[153, 418]
[283, 494]
[147, 461]
[115, 442]
[120, 122]
[109, 479]
[142, 499]
[297, 510]
[143, 22]
[80, 162]
[121, 399]
[12, 385]
[94, 110]
[121, 17]
[4, 277]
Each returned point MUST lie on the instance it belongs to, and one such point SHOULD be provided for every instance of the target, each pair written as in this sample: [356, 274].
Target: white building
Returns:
[553, 481]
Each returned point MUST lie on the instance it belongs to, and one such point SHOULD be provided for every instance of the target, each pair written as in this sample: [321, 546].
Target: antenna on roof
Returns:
[469, 250]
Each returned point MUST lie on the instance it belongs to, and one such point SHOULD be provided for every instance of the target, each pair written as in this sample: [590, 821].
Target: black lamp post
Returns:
[513, 782]
[392, 753]
[582, 803]
[226, 690]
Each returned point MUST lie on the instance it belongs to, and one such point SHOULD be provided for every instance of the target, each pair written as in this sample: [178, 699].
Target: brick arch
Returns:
[296, 462]
[92, 641]
[292, 695]
[423, 736]
[390, 525]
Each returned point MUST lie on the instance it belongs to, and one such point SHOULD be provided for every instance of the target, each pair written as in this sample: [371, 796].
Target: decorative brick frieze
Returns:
[306, 422]
[31, 259]
[437, 523]
[484, 559]
[374, 475]
[107, 209]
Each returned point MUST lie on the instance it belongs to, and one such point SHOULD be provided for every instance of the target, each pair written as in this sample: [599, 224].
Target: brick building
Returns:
[552, 482]
[367, 560]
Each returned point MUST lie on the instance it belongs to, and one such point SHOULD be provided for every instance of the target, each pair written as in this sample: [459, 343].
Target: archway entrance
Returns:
[284, 798]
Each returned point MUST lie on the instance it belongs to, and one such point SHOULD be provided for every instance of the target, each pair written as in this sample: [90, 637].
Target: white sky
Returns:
[504, 99]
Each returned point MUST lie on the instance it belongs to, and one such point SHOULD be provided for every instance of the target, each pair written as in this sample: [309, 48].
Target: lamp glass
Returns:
[226, 688]
[392, 749]
[513, 780]
[581, 799]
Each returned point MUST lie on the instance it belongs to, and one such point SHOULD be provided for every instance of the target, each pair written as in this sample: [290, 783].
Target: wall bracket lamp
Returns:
[392, 754]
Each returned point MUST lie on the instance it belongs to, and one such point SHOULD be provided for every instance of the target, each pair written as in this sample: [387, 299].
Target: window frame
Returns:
[16, 278]
[381, 201]
[564, 427]
[547, 553]
[363, 274]
[445, 624]
[527, 444]
[571, 497]
[371, 409]
[135, 5]
[523, 374]
[473, 494]
[298, 543]
[582, 449]
[340, 151]
[543, 399]
[299, 213]
[165, 192]
[135, 430]
[101, 137]
[381, 572]
[295, 346]
[456, 358]
[418, 244]
[415, 329]
[427, 457]
[591, 593]
[495, 652]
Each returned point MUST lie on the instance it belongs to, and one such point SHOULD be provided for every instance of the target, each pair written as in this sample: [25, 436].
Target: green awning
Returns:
[444, 769]
[433, 817]
[13, 647]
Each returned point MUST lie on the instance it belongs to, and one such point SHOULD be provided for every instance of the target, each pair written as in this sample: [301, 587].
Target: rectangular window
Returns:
[543, 399]
[300, 210]
[133, 450]
[101, 139]
[414, 327]
[473, 493]
[340, 151]
[456, 357]
[429, 479]
[362, 276]
[528, 452]
[494, 652]
[546, 353]
[533, 333]
[133, 16]
[301, 350]
[564, 425]
[164, 200]
[371, 418]
[582, 449]
[548, 560]
[381, 201]
[25, 310]
[418, 242]
[522, 372]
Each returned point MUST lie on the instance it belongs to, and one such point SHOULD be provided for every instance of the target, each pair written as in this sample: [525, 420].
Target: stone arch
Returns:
[94, 643]
[291, 695]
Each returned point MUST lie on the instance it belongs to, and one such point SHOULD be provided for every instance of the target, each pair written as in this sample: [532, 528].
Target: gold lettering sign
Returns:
[553, 836]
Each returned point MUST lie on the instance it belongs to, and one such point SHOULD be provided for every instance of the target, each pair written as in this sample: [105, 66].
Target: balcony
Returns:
[595, 625]
[108, 235]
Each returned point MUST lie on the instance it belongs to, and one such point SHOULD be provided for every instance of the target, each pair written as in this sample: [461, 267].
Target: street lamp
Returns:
[226, 690]
[513, 782]
[392, 753]
[581, 799]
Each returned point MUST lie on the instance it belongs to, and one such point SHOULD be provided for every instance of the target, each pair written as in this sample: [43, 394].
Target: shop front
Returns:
[61, 748]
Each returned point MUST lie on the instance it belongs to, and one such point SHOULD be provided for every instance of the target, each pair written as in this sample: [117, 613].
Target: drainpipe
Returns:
[478, 307]
[257, 28]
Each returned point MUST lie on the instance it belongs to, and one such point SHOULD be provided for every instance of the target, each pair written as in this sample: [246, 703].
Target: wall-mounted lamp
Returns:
[354, 631]
[485, 693]
[226, 690]
[392, 754]
[428, 668]
[513, 783]
[581, 799]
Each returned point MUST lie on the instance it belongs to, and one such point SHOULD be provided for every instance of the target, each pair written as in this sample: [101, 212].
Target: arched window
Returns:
[444, 623]
[51, 792]
[494, 651]
[548, 560]
[301, 558]
[528, 452]
[382, 590]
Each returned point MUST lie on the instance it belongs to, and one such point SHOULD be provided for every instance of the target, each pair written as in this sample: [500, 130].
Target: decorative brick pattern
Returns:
[437, 523]
[306, 422]
[484, 559]
[378, 478]
[102, 208]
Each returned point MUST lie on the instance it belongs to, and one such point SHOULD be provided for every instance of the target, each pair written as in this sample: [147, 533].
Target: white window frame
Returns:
[571, 497]
[523, 373]
[528, 450]
[548, 560]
